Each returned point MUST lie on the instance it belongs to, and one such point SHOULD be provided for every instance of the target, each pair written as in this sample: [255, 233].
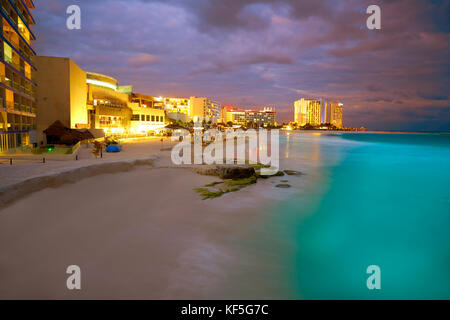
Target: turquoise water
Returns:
[370, 199]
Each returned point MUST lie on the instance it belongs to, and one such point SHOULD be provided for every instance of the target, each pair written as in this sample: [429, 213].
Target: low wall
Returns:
[48, 156]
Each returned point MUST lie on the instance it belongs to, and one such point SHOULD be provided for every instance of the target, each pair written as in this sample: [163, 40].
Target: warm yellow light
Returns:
[117, 130]
[101, 84]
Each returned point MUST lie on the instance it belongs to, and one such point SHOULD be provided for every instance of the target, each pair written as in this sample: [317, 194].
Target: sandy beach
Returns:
[138, 233]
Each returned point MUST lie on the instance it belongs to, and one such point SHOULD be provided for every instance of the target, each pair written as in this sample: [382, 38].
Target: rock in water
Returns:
[292, 173]
[235, 172]
[283, 186]
[228, 171]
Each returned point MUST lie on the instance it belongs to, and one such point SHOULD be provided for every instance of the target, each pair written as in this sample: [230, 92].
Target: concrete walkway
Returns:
[24, 169]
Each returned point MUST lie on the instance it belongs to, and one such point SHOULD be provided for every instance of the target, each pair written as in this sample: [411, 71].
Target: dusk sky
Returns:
[255, 53]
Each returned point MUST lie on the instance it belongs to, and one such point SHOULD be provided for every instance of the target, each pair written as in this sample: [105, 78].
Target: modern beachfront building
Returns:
[61, 94]
[79, 99]
[333, 113]
[107, 106]
[146, 115]
[88, 100]
[307, 111]
[177, 105]
[17, 75]
[234, 115]
[177, 109]
[261, 118]
[204, 109]
[253, 118]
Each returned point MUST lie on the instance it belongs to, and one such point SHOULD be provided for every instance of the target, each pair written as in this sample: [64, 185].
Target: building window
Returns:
[135, 117]
[162, 119]
[7, 53]
[143, 117]
[148, 118]
[153, 118]
[157, 118]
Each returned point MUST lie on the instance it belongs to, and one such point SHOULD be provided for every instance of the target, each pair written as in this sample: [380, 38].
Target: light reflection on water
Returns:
[369, 199]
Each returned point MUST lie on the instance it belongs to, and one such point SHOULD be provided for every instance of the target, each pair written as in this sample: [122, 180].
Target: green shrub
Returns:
[207, 194]
[213, 184]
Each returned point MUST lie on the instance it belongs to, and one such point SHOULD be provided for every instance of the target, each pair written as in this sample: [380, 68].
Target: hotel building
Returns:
[177, 105]
[62, 94]
[259, 118]
[234, 115]
[178, 109]
[87, 100]
[107, 106]
[147, 116]
[307, 111]
[17, 75]
[333, 113]
[203, 108]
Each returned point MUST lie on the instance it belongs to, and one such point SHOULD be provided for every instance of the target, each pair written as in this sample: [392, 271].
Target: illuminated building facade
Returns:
[334, 114]
[17, 75]
[61, 94]
[177, 109]
[177, 105]
[260, 118]
[254, 118]
[87, 100]
[307, 111]
[215, 109]
[203, 108]
[147, 116]
[226, 114]
[107, 106]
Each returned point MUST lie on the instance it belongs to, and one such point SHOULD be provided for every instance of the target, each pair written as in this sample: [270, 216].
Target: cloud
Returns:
[267, 52]
[142, 60]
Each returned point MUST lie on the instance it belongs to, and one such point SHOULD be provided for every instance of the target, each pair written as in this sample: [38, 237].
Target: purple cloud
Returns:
[263, 52]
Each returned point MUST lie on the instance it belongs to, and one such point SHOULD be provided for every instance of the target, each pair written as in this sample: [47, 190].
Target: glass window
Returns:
[8, 53]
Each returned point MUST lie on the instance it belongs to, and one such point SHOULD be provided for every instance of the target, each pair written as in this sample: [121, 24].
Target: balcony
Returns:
[16, 106]
[24, 54]
[14, 25]
[19, 71]
[26, 21]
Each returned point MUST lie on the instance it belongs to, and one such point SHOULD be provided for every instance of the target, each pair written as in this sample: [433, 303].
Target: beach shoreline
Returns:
[141, 232]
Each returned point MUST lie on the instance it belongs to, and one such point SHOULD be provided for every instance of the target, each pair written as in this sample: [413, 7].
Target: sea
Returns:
[369, 200]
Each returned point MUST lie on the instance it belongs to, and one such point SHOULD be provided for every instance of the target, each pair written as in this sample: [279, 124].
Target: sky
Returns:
[256, 53]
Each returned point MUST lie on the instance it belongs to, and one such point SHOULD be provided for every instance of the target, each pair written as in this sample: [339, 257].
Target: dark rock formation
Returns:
[292, 173]
[228, 171]
[283, 186]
